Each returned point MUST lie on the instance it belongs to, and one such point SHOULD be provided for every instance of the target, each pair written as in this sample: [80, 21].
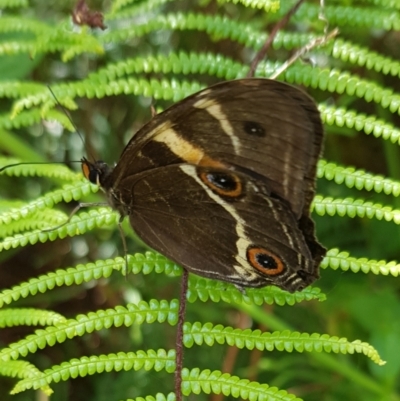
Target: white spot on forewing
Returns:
[244, 269]
[214, 108]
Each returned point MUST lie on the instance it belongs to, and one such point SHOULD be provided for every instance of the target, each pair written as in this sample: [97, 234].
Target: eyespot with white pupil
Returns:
[222, 183]
[265, 261]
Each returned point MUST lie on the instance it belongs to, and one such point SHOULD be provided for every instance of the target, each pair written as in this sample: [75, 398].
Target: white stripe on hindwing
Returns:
[214, 108]
[244, 269]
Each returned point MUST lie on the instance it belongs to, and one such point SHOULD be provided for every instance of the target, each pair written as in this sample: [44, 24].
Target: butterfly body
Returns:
[222, 182]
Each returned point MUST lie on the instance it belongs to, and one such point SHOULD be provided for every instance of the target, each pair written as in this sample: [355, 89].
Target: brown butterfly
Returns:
[221, 183]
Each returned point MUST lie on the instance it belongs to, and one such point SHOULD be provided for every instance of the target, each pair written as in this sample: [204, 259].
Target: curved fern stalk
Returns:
[359, 179]
[378, 18]
[287, 340]
[359, 121]
[140, 360]
[343, 82]
[204, 290]
[154, 311]
[362, 56]
[176, 63]
[164, 89]
[32, 117]
[336, 259]
[29, 317]
[215, 382]
[22, 370]
[354, 208]
[139, 263]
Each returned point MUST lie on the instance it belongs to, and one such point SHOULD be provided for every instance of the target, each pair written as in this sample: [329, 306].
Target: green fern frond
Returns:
[355, 178]
[22, 370]
[18, 89]
[351, 16]
[32, 117]
[29, 317]
[70, 276]
[216, 291]
[13, 3]
[151, 261]
[158, 89]
[196, 381]
[67, 193]
[130, 8]
[40, 220]
[364, 57]
[140, 360]
[220, 27]
[20, 24]
[177, 63]
[138, 263]
[157, 397]
[60, 172]
[342, 82]
[154, 311]
[336, 259]
[265, 5]
[286, 340]
[77, 225]
[353, 208]
[359, 121]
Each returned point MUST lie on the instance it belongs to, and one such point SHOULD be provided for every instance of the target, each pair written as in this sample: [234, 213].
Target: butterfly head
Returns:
[96, 172]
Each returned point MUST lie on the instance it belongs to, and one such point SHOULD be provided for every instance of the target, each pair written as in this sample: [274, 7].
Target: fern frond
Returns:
[364, 57]
[13, 3]
[154, 311]
[196, 381]
[22, 370]
[138, 263]
[72, 275]
[18, 89]
[42, 219]
[21, 24]
[354, 207]
[60, 171]
[355, 178]
[77, 225]
[359, 121]
[123, 8]
[157, 397]
[140, 360]
[216, 291]
[342, 82]
[215, 25]
[165, 89]
[336, 259]
[29, 317]
[265, 5]
[66, 194]
[286, 340]
[351, 16]
[32, 117]
[177, 63]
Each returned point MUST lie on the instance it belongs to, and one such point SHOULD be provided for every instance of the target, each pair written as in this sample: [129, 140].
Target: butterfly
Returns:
[222, 182]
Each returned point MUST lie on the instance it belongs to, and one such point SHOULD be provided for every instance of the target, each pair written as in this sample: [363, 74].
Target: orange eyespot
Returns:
[265, 261]
[223, 183]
